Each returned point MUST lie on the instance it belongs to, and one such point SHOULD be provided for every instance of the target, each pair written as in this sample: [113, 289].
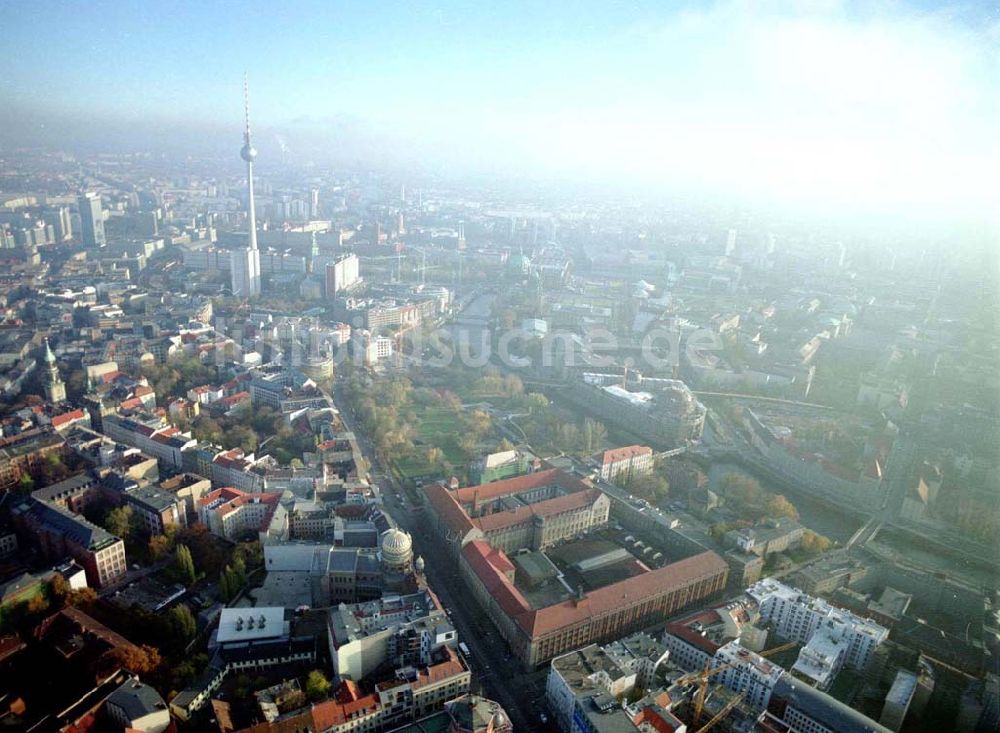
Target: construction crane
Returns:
[701, 678]
[399, 262]
[721, 714]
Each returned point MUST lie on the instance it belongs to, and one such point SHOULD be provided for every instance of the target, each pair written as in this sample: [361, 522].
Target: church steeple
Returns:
[55, 388]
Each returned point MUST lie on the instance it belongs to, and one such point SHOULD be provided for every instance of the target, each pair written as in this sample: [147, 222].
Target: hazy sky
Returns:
[865, 104]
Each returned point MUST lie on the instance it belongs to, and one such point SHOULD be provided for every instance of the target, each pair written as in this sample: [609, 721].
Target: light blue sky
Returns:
[849, 103]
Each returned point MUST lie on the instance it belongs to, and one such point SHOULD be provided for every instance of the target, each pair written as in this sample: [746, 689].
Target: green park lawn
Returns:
[436, 427]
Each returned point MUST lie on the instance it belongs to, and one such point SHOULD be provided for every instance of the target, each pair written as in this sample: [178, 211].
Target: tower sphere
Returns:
[248, 153]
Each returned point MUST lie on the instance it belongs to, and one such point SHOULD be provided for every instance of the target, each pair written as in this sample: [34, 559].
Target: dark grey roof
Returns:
[368, 563]
[343, 560]
[74, 527]
[823, 708]
[137, 699]
[153, 498]
[68, 486]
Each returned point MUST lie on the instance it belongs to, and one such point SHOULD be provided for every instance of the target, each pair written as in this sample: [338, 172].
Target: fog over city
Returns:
[855, 106]
[592, 367]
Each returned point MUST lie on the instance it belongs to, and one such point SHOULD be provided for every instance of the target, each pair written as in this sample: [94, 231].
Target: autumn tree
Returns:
[182, 622]
[435, 456]
[593, 434]
[53, 469]
[206, 550]
[479, 423]
[206, 429]
[317, 685]
[778, 506]
[467, 443]
[248, 555]
[121, 522]
[537, 402]
[38, 604]
[58, 589]
[240, 436]
[568, 437]
[513, 386]
[159, 546]
[648, 485]
[813, 543]
[184, 565]
[82, 598]
[141, 660]
[233, 579]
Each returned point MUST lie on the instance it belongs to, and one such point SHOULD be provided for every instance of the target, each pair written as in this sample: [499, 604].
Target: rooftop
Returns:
[251, 624]
[902, 688]
[137, 699]
[621, 454]
[823, 708]
[75, 528]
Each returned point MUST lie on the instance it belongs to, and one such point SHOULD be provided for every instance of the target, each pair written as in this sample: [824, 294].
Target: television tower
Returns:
[249, 154]
[246, 262]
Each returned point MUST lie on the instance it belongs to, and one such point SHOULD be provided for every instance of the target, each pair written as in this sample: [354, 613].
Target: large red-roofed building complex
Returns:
[532, 511]
[483, 525]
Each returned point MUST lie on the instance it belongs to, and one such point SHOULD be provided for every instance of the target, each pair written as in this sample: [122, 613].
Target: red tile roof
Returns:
[622, 454]
[500, 561]
[439, 672]
[692, 637]
[235, 399]
[448, 509]
[547, 508]
[90, 625]
[601, 601]
[658, 719]
[517, 484]
[10, 644]
[68, 417]
[449, 504]
[233, 499]
[348, 691]
[477, 555]
[678, 574]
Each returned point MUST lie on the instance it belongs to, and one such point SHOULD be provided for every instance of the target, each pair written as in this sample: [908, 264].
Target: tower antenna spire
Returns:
[246, 108]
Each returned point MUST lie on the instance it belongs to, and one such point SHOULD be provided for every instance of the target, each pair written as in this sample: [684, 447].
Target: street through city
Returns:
[495, 672]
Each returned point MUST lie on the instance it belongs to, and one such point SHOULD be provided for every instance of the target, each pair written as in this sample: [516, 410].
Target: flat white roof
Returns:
[638, 399]
[250, 624]
[903, 688]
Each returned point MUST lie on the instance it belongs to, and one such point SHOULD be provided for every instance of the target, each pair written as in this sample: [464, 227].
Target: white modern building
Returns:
[833, 637]
[401, 631]
[584, 678]
[231, 513]
[151, 436]
[245, 268]
[747, 672]
[342, 275]
[627, 462]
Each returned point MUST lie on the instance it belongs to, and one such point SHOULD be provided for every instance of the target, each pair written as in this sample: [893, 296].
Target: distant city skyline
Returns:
[844, 104]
